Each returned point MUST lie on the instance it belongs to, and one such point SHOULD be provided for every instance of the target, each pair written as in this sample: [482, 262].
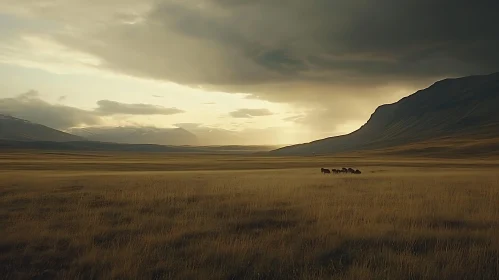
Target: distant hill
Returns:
[18, 134]
[21, 130]
[118, 147]
[463, 108]
[138, 135]
[92, 146]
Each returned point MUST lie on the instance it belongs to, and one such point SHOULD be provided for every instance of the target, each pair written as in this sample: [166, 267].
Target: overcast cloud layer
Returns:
[237, 44]
[342, 58]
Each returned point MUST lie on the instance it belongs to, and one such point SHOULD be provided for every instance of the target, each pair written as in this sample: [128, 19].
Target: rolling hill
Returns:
[464, 108]
[15, 129]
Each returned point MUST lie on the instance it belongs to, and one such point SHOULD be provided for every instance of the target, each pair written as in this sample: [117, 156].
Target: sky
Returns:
[275, 71]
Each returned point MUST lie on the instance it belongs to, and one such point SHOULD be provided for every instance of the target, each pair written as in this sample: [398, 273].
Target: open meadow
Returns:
[186, 216]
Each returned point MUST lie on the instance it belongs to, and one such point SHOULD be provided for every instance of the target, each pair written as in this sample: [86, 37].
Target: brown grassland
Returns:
[158, 216]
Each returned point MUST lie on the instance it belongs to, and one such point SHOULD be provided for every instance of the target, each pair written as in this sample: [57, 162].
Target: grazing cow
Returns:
[335, 171]
[350, 170]
[344, 170]
[325, 171]
[357, 172]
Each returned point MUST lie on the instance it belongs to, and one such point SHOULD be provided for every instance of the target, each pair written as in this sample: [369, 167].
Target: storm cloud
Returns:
[239, 44]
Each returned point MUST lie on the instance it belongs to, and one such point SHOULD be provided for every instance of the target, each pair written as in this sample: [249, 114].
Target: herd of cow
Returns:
[338, 171]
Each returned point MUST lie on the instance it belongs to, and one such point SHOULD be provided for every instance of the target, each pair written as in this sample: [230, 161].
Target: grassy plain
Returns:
[158, 216]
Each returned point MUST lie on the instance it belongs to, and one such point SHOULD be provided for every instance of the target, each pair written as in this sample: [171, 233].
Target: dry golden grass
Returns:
[88, 217]
[450, 147]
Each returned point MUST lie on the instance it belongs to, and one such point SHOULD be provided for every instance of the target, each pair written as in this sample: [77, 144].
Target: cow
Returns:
[325, 171]
[350, 170]
[357, 172]
[344, 170]
[335, 171]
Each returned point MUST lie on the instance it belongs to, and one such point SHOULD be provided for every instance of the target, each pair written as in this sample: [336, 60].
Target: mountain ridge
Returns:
[16, 129]
[456, 106]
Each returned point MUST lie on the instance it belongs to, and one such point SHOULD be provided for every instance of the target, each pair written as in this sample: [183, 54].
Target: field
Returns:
[159, 216]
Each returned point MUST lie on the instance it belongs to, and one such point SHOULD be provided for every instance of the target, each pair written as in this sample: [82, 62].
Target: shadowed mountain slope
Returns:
[465, 108]
[21, 130]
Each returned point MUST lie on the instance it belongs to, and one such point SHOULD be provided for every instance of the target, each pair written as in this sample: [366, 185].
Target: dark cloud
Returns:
[244, 43]
[108, 107]
[249, 113]
[30, 107]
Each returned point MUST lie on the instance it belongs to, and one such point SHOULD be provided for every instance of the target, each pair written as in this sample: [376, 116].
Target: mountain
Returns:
[462, 108]
[21, 130]
[138, 135]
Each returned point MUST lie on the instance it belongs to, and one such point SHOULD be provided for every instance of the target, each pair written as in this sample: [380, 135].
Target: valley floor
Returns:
[159, 216]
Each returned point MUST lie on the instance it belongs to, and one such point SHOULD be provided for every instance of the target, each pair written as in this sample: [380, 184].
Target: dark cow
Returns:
[357, 172]
[325, 171]
[344, 170]
[335, 171]
[350, 170]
